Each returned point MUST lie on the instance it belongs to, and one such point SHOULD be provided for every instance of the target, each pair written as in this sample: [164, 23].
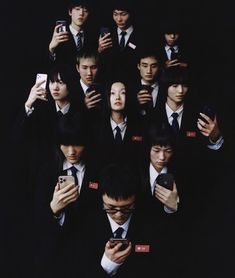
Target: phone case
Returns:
[42, 77]
[166, 180]
[65, 180]
[115, 241]
[63, 28]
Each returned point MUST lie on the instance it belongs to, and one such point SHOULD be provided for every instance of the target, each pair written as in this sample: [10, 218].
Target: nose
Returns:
[162, 155]
[180, 88]
[89, 71]
[149, 69]
[70, 150]
[54, 85]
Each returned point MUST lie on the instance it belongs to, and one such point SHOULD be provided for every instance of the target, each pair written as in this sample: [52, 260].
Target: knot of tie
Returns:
[122, 41]
[173, 53]
[59, 114]
[118, 232]
[118, 136]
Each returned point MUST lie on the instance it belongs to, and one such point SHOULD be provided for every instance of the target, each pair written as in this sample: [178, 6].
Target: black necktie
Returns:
[172, 53]
[74, 174]
[79, 41]
[175, 124]
[118, 136]
[122, 41]
[118, 232]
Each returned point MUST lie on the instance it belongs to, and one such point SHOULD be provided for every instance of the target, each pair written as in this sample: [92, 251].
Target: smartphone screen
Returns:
[42, 77]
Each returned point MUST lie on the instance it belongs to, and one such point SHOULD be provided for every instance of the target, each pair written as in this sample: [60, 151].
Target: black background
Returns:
[26, 29]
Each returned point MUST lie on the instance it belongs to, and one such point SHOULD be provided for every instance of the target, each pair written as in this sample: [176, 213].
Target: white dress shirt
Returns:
[63, 110]
[169, 112]
[84, 87]
[122, 127]
[168, 50]
[127, 36]
[74, 33]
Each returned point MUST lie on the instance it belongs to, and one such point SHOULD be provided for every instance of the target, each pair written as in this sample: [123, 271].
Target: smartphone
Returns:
[114, 241]
[104, 31]
[65, 180]
[63, 28]
[93, 87]
[42, 77]
[166, 180]
[209, 111]
[147, 88]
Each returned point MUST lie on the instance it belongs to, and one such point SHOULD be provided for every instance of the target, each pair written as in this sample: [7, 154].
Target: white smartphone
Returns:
[65, 180]
[42, 77]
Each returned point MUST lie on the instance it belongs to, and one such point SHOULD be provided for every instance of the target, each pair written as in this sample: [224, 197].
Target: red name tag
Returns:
[137, 138]
[191, 133]
[140, 248]
[93, 185]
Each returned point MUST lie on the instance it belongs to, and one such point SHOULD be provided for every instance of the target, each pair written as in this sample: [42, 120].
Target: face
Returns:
[78, 15]
[121, 19]
[87, 69]
[117, 96]
[176, 93]
[160, 156]
[58, 89]
[73, 153]
[149, 69]
[171, 39]
[124, 208]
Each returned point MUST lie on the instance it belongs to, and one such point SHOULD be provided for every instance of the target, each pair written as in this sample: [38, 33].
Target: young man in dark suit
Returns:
[119, 185]
[119, 46]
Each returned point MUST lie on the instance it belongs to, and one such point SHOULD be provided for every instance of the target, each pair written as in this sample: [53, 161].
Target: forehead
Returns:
[87, 61]
[117, 86]
[159, 147]
[118, 203]
[120, 12]
[149, 60]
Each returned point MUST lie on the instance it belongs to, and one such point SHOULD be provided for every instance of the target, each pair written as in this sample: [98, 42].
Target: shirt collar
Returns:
[74, 31]
[128, 30]
[79, 166]
[64, 110]
[84, 86]
[121, 125]
[115, 226]
[176, 47]
[169, 111]
[153, 174]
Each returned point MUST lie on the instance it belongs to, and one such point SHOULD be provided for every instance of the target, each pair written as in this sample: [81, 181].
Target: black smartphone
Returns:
[63, 28]
[209, 111]
[147, 88]
[166, 180]
[94, 87]
[114, 241]
[104, 31]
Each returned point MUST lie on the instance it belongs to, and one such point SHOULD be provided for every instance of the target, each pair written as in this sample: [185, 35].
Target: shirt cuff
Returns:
[109, 266]
[60, 219]
[216, 145]
[28, 110]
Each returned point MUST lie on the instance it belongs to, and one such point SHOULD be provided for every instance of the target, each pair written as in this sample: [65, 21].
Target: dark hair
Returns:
[119, 181]
[71, 130]
[175, 75]
[161, 135]
[76, 3]
[121, 5]
[89, 52]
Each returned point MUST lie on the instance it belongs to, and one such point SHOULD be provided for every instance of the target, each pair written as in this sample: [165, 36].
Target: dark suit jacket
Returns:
[130, 150]
[118, 64]
[88, 249]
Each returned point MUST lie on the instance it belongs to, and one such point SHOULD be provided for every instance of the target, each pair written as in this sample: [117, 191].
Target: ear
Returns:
[70, 12]
[138, 66]
[77, 68]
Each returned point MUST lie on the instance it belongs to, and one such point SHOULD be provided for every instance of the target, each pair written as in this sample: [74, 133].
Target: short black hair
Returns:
[88, 52]
[121, 5]
[71, 130]
[176, 75]
[161, 135]
[119, 181]
[76, 3]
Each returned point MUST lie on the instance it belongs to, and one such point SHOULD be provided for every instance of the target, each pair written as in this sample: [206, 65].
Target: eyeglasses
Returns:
[122, 210]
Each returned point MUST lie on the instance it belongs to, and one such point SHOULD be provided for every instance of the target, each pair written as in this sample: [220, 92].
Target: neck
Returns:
[62, 103]
[173, 105]
[76, 27]
[117, 117]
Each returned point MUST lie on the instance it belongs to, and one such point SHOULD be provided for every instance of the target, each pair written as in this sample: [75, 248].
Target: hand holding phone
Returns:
[208, 111]
[104, 31]
[114, 241]
[63, 28]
